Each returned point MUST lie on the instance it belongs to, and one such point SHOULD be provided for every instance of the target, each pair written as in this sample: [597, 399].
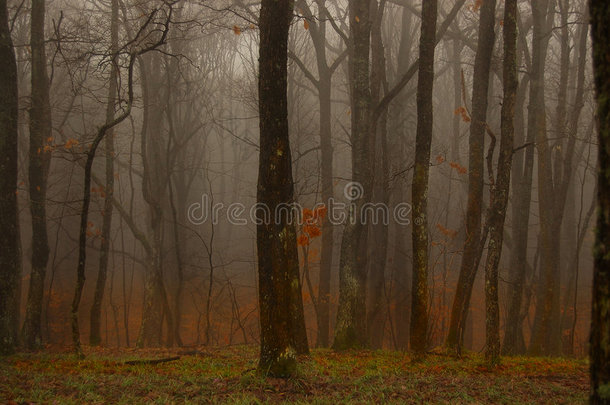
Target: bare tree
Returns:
[278, 263]
[10, 249]
[600, 338]
[500, 188]
[350, 328]
[100, 285]
[476, 144]
[39, 162]
[423, 141]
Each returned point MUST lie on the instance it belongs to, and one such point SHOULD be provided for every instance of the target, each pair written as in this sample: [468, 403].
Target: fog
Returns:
[171, 232]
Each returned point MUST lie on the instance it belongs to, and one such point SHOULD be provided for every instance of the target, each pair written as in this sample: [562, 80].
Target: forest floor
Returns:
[228, 375]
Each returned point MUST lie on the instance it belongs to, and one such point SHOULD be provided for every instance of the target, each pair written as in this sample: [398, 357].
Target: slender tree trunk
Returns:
[278, 263]
[472, 251]
[523, 165]
[350, 328]
[542, 342]
[317, 31]
[572, 131]
[100, 285]
[326, 254]
[400, 265]
[156, 306]
[376, 310]
[39, 161]
[600, 322]
[500, 190]
[10, 247]
[423, 142]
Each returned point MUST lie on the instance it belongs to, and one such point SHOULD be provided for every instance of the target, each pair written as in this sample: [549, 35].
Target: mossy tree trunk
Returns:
[423, 142]
[350, 328]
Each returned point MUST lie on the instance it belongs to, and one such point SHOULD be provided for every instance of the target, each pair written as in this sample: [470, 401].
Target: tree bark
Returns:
[423, 142]
[500, 190]
[472, 250]
[523, 165]
[542, 342]
[600, 322]
[376, 308]
[39, 162]
[350, 328]
[278, 263]
[10, 247]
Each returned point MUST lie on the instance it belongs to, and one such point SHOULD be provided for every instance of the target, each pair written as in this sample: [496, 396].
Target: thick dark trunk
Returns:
[600, 322]
[472, 245]
[39, 161]
[423, 141]
[278, 264]
[10, 247]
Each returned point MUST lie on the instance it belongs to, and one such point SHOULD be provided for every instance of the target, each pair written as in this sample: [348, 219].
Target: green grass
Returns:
[228, 375]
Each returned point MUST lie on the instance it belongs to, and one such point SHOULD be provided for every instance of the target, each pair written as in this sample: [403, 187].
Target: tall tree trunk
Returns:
[572, 264]
[39, 161]
[400, 264]
[350, 328]
[100, 285]
[376, 308]
[523, 166]
[317, 31]
[10, 247]
[600, 322]
[500, 189]
[472, 251]
[156, 306]
[326, 254]
[423, 142]
[542, 341]
[278, 263]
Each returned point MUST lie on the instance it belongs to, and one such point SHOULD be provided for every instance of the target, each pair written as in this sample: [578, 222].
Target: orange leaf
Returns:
[236, 30]
[306, 24]
[302, 240]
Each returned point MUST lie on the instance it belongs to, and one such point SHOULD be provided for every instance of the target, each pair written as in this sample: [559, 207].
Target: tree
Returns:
[276, 242]
[10, 249]
[100, 285]
[146, 44]
[542, 342]
[514, 342]
[500, 188]
[350, 328]
[39, 162]
[423, 141]
[478, 126]
[317, 31]
[600, 322]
